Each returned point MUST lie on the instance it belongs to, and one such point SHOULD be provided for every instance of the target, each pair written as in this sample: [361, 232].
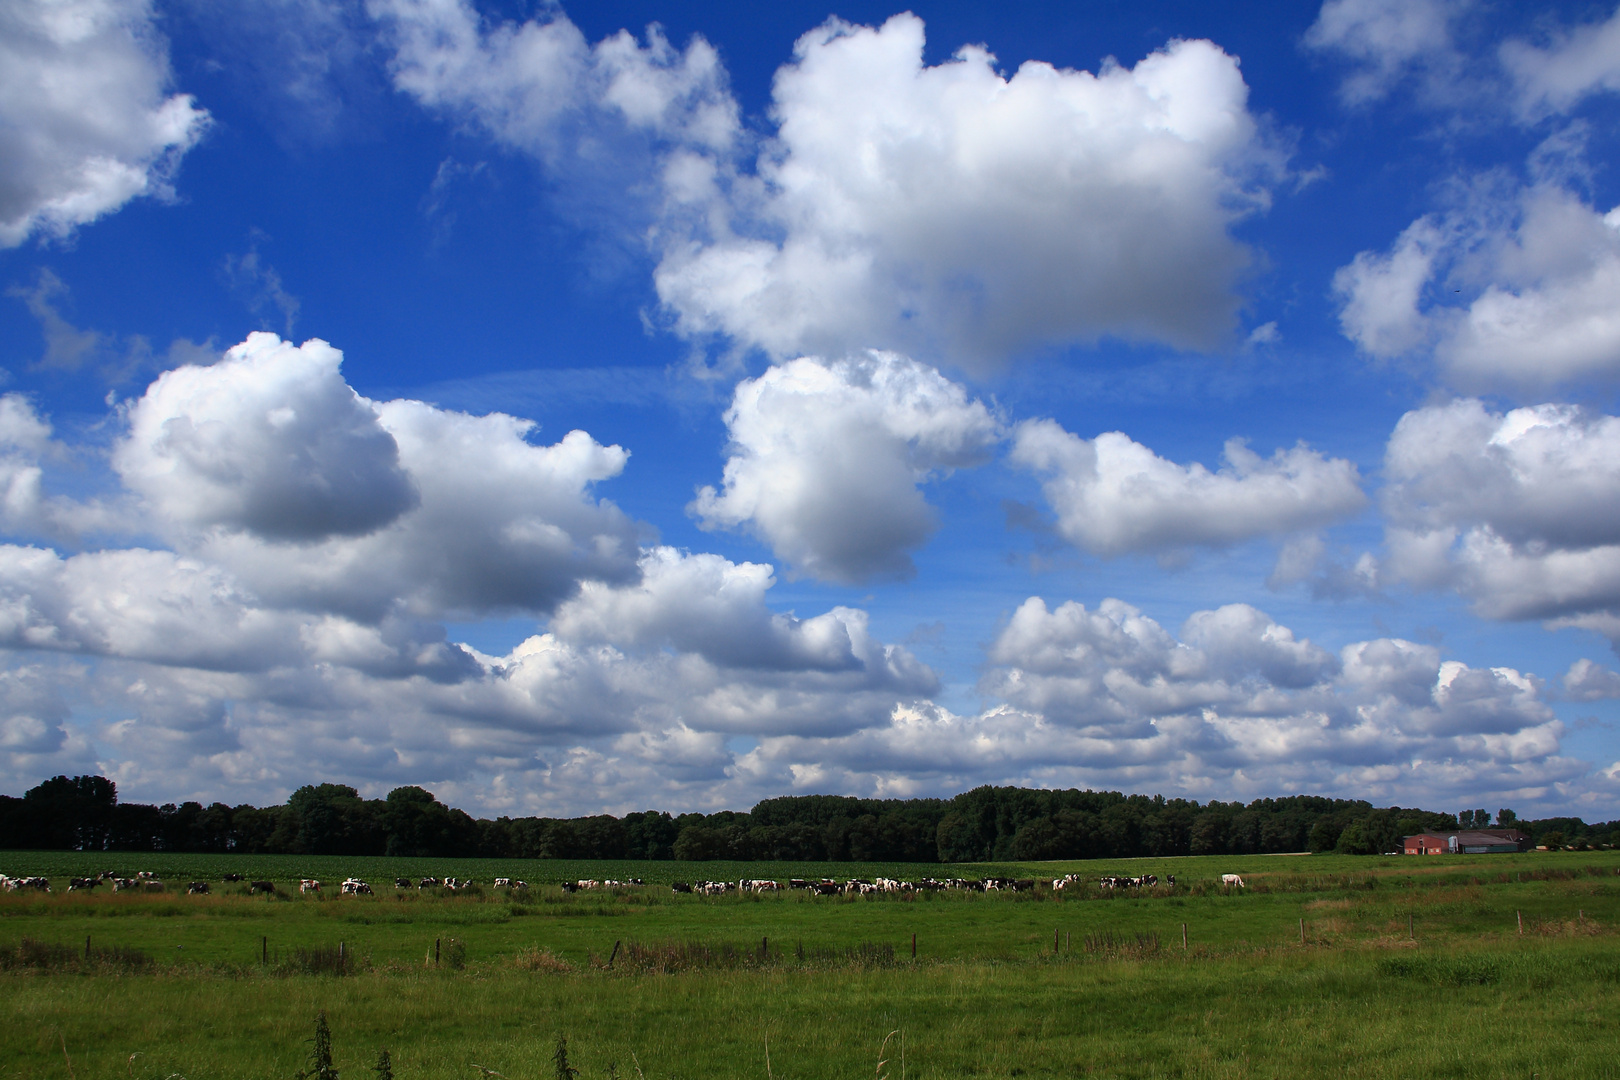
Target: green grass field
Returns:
[1407, 967]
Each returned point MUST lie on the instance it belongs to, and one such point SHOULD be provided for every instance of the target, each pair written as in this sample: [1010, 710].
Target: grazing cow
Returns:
[309, 885]
[152, 885]
[122, 883]
[1170, 880]
[1230, 880]
[83, 883]
[261, 887]
[429, 883]
[231, 877]
[758, 885]
[503, 883]
[355, 887]
[519, 883]
[145, 875]
[402, 883]
[680, 887]
[197, 888]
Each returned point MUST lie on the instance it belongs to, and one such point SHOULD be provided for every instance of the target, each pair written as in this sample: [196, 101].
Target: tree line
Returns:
[83, 813]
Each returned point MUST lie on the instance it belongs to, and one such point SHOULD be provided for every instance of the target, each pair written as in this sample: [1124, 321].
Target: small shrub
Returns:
[542, 961]
[455, 954]
[320, 1053]
[559, 1060]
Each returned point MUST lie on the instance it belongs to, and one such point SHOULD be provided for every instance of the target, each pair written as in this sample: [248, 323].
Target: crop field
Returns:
[1484, 966]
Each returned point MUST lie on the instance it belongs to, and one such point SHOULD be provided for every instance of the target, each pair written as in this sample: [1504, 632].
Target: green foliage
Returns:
[985, 824]
[385, 1065]
[559, 1060]
[320, 1052]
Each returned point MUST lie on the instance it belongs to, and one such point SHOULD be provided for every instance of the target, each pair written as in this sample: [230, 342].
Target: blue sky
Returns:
[592, 408]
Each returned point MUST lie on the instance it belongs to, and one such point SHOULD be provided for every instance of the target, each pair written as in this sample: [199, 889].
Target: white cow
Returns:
[309, 885]
[1230, 880]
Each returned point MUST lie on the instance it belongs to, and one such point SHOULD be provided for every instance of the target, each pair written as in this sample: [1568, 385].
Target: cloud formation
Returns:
[1575, 63]
[1236, 705]
[86, 123]
[268, 464]
[270, 441]
[1389, 41]
[1114, 496]
[950, 212]
[944, 211]
[826, 459]
[1517, 511]
[1538, 268]
[539, 87]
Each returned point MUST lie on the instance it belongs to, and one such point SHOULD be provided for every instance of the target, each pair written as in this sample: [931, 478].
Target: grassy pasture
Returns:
[1409, 967]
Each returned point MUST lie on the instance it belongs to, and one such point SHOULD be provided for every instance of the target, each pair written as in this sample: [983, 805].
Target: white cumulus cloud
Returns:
[826, 459]
[1114, 496]
[269, 441]
[1586, 681]
[952, 212]
[268, 464]
[1234, 703]
[1520, 511]
[1538, 271]
[86, 123]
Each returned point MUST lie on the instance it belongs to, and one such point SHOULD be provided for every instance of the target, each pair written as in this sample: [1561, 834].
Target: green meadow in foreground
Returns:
[1320, 966]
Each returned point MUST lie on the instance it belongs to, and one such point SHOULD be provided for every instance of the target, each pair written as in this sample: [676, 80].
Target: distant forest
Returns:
[82, 813]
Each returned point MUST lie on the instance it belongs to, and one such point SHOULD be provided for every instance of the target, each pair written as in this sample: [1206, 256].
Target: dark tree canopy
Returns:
[986, 824]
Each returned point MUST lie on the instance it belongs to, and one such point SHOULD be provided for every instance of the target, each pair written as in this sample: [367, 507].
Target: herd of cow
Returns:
[147, 881]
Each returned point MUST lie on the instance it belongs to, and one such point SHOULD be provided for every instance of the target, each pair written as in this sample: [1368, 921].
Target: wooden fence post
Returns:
[87, 948]
[1302, 930]
[264, 950]
[914, 946]
[1520, 914]
[1054, 942]
[1183, 935]
[435, 952]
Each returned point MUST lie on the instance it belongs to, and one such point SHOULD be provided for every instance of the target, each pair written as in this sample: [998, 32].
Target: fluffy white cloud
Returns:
[269, 465]
[320, 542]
[1114, 496]
[1237, 704]
[1519, 511]
[950, 211]
[199, 678]
[1388, 40]
[1586, 681]
[85, 125]
[1538, 271]
[945, 209]
[826, 458]
[269, 441]
[1576, 63]
[530, 84]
